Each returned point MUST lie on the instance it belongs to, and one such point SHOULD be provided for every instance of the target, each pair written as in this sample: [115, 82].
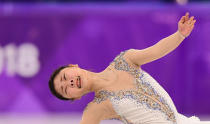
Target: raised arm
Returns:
[164, 46]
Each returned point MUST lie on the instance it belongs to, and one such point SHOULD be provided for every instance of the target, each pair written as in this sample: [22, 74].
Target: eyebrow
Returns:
[64, 76]
[61, 79]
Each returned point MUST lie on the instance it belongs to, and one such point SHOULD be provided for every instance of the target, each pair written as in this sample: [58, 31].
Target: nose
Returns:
[73, 82]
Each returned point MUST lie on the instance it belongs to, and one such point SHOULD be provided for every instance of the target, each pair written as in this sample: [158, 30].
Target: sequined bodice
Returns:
[148, 103]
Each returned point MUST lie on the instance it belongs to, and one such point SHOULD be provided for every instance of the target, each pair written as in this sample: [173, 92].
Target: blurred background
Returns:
[38, 36]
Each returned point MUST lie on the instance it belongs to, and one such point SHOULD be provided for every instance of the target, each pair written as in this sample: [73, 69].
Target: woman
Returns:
[123, 90]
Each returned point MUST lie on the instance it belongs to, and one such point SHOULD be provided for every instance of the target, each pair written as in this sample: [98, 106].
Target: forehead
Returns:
[61, 73]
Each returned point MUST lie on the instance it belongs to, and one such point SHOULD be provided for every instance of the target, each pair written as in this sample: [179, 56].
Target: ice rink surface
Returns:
[57, 119]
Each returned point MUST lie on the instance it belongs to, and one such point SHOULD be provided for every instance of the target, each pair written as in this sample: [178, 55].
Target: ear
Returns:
[73, 65]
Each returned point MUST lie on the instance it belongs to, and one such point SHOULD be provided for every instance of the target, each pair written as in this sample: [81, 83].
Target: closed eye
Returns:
[66, 90]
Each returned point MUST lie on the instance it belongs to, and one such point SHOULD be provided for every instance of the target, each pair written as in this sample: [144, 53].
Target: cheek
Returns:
[74, 92]
[84, 80]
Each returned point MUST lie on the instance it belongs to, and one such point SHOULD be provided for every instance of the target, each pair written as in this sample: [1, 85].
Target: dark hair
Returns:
[52, 86]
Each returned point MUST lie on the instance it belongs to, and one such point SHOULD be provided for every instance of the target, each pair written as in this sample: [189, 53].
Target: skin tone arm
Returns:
[93, 114]
[164, 46]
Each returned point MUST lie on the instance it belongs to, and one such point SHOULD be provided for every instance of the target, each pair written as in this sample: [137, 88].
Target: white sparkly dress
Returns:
[148, 103]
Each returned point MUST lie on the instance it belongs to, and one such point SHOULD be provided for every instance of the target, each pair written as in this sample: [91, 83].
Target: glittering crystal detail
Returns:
[144, 93]
[122, 119]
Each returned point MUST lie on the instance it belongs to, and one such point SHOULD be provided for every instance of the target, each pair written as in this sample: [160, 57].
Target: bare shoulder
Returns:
[128, 55]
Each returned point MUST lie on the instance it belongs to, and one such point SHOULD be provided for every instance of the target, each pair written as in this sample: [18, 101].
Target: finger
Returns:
[192, 17]
[193, 22]
[192, 26]
[182, 20]
[187, 22]
[187, 16]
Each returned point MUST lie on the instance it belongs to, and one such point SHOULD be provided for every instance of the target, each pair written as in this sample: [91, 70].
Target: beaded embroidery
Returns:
[144, 93]
[123, 119]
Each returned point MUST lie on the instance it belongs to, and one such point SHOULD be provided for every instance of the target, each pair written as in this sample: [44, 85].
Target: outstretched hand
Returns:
[186, 24]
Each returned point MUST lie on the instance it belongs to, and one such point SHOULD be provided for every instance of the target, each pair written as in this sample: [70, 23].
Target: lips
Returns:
[78, 82]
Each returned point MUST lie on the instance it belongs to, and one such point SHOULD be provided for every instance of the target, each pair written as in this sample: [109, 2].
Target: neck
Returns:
[98, 81]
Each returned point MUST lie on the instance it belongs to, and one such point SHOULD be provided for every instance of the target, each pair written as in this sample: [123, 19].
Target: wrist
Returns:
[180, 34]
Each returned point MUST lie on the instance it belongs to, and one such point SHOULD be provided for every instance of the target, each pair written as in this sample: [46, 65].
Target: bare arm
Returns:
[93, 114]
[164, 46]
[160, 49]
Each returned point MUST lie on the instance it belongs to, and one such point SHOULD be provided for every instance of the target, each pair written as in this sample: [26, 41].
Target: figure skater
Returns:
[124, 91]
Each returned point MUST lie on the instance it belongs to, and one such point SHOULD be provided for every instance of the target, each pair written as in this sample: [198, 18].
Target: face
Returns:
[71, 82]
